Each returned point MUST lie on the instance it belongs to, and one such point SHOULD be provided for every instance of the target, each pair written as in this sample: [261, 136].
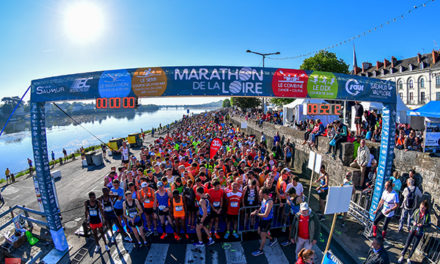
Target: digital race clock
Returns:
[116, 102]
[323, 109]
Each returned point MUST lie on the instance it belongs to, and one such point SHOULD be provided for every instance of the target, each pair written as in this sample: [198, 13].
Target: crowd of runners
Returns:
[175, 186]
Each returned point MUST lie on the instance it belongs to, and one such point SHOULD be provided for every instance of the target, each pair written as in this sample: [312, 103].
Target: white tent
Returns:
[401, 109]
[294, 112]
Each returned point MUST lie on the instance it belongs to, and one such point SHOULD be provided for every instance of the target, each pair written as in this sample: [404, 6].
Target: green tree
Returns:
[281, 101]
[226, 103]
[245, 102]
[325, 61]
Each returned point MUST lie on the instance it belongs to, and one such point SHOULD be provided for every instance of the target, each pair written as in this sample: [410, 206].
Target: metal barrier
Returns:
[24, 216]
[246, 223]
[429, 245]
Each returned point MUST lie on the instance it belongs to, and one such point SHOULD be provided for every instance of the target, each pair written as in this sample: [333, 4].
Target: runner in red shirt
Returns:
[216, 199]
[234, 201]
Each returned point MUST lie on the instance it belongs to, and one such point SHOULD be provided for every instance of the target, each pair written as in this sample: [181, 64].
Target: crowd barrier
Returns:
[429, 245]
[281, 219]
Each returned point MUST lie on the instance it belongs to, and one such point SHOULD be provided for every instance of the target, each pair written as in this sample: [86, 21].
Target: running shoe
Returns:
[97, 249]
[112, 240]
[149, 233]
[186, 236]
[257, 253]
[226, 235]
[273, 242]
[177, 237]
[128, 239]
[199, 244]
[285, 243]
[400, 260]
[163, 236]
[211, 241]
[217, 236]
[235, 234]
[145, 242]
[106, 248]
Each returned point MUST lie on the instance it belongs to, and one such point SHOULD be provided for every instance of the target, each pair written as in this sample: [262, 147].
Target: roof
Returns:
[426, 59]
[431, 109]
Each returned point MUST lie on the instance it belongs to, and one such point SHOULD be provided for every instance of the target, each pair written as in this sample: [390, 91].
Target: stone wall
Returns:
[428, 167]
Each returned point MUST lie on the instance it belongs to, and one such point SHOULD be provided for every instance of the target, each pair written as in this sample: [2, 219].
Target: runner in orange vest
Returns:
[148, 200]
[178, 214]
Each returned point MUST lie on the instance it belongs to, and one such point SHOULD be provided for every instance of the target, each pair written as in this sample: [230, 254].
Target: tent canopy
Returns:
[431, 109]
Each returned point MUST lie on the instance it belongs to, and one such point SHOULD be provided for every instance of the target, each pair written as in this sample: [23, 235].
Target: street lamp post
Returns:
[263, 55]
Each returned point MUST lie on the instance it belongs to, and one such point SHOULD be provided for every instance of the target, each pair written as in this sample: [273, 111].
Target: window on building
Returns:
[401, 95]
[410, 83]
[437, 96]
[411, 97]
[437, 81]
[422, 82]
[400, 84]
[422, 97]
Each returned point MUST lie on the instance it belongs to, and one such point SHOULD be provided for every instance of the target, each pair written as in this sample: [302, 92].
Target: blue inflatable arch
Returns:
[117, 88]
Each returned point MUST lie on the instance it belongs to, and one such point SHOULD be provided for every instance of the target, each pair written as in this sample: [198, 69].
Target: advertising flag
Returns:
[216, 144]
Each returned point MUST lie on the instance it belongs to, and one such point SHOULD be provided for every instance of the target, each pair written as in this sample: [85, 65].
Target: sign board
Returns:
[330, 258]
[311, 159]
[338, 199]
[318, 163]
[432, 137]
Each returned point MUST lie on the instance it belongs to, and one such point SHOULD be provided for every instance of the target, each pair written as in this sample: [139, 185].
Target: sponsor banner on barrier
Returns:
[212, 81]
[432, 137]
[386, 155]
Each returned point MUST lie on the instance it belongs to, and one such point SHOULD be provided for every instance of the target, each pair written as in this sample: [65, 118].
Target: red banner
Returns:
[216, 144]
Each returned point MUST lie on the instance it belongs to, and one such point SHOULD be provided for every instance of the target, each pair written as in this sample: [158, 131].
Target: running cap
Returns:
[304, 206]
[144, 184]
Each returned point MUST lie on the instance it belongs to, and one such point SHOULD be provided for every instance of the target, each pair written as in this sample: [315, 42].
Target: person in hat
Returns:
[147, 198]
[305, 228]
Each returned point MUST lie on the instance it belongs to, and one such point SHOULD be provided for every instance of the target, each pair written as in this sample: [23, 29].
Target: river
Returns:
[15, 148]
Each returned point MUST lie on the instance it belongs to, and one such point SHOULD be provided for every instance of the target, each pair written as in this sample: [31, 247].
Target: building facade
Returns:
[417, 78]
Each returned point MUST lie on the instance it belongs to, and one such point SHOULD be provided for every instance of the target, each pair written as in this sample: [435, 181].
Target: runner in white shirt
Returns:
[390, 202]
[294, 183]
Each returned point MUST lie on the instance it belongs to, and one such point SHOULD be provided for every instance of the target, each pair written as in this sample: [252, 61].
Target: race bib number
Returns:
[108, 208]
[216, 204]
[147, 201]
[133, 214]
[251, 198]
[179, 208]
[234, 204]
[161, 207]
[93, 213]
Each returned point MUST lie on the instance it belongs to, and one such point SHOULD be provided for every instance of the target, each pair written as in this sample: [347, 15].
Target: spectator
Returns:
[371, 119]
[417, 146]
[30, 166]
[361, 161]
[305, 228]
[340, 137]
[305, 256]
[359, 109]
[322, 190]
[318, 130]
[377, 253]
[410, 140]
[276, 138]
[421, 219]
[396, 182]
[309, 128]
[390, 202]
[411, 196]
[8, 175]
[400, 141]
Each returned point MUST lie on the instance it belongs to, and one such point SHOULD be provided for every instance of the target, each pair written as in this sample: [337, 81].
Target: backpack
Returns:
[411, 198]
